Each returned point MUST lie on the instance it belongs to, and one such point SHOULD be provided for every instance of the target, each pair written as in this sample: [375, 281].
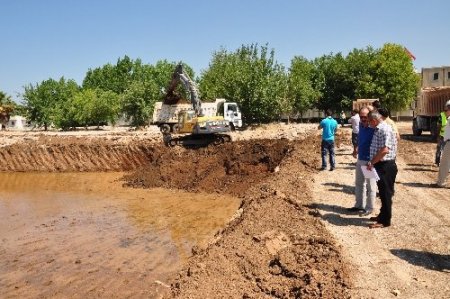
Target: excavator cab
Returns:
[186, 122]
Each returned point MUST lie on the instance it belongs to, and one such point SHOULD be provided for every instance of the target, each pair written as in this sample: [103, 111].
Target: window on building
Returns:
[436, 76]
[448, 75]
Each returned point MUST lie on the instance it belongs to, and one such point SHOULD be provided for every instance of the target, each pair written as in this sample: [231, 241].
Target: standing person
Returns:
[354, 121]
[376, 105]
[383, 150]
[442, 122]
[385, 115]
[365, 189]
[445, 158]
[329, 126]
[343, 117]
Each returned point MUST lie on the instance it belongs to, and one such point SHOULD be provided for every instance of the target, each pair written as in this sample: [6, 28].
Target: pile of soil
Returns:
[230, 168]
[274, 246]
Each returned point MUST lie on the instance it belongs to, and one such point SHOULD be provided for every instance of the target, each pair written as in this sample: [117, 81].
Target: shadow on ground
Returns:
[341, 188]
[422, 185]
[422, 138]
[421, 169]
[425, 259]
[333, 216]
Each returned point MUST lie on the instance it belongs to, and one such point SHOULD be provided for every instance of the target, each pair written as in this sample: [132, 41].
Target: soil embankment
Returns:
[273, 247]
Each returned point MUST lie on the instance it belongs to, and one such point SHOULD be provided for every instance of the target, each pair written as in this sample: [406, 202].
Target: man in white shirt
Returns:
[354, 121]
[445, 157]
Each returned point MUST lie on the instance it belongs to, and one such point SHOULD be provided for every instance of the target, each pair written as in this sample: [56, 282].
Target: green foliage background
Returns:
[249, 75]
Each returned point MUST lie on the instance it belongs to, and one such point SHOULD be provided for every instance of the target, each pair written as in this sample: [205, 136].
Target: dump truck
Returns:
[428, 105]
[165, 116]
[360, 103]
[434, 92]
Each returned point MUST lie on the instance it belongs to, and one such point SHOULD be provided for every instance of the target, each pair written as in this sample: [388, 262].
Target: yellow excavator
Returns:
[193, 128]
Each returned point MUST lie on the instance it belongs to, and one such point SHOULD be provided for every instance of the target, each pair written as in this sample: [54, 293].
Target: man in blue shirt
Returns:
[329, 126]
[365, 189]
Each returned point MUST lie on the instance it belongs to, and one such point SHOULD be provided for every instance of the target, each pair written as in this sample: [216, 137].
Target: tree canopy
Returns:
[249, 75]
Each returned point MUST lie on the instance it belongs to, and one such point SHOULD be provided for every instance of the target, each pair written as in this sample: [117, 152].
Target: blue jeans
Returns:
[328, 146]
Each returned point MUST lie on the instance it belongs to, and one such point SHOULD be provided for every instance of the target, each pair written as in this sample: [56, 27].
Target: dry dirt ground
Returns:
[410, 259]
[291, 237]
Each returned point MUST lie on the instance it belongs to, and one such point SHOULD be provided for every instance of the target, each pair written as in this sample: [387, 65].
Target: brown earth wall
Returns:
[275, 246]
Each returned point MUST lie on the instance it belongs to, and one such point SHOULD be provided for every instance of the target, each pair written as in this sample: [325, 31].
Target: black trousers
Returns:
[387, 171]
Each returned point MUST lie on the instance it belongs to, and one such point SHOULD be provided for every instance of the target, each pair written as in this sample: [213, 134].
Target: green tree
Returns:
[334, 82]
[5, 99]
[103, 107]
[7, 103]
[138, 102]
[360, 66]
[114, 78]
[43, 100]
[251, 77]
[302, 90]
[395, 79]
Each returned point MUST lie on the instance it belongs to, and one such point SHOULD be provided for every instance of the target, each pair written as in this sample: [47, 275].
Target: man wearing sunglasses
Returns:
[383, 151]
[365, 189]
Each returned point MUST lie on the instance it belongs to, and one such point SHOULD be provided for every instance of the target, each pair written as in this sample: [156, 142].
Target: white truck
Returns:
[165, 116]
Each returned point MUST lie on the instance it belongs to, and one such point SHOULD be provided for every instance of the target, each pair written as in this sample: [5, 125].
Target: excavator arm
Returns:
[172, 98]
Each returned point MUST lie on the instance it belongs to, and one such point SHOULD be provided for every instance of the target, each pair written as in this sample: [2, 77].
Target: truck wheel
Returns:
[165, 129]
[218, 140]
[176, 128]
[173, 142]
[415, 128]
[226, 138]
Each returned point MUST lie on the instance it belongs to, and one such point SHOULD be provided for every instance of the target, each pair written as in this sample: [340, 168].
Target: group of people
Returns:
[374, 138]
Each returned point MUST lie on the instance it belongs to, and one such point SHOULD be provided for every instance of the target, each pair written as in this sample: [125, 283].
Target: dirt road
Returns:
[410, 259]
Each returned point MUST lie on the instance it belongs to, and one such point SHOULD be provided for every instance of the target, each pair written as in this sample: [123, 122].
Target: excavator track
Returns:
[196, 140]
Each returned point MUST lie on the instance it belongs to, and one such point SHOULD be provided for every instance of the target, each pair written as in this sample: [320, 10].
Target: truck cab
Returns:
[231, 113]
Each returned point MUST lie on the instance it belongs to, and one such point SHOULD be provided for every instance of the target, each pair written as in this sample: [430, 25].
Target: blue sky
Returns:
[54, 38]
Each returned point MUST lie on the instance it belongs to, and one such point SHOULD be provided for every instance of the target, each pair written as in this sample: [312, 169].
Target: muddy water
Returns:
[84, 235]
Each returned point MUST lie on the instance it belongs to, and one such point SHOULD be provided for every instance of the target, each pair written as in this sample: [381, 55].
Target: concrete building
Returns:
[436, 76]
[17, 122]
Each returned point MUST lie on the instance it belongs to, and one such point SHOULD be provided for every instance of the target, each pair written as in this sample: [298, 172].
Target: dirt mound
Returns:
[273, 247]
[230, 168]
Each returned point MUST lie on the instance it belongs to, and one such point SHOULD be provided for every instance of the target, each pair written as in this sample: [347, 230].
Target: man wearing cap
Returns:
[445, 157]
[442, 121]
[383, 151]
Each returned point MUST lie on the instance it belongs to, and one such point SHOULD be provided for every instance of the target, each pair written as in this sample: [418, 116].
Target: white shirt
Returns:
[447, 130]
[354, 120]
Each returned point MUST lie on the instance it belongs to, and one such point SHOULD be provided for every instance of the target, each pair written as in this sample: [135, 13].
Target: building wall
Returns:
[447, 76]
[436, 76]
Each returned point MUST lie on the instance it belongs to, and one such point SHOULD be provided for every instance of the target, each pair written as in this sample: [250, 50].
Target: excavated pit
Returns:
[273, 247]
